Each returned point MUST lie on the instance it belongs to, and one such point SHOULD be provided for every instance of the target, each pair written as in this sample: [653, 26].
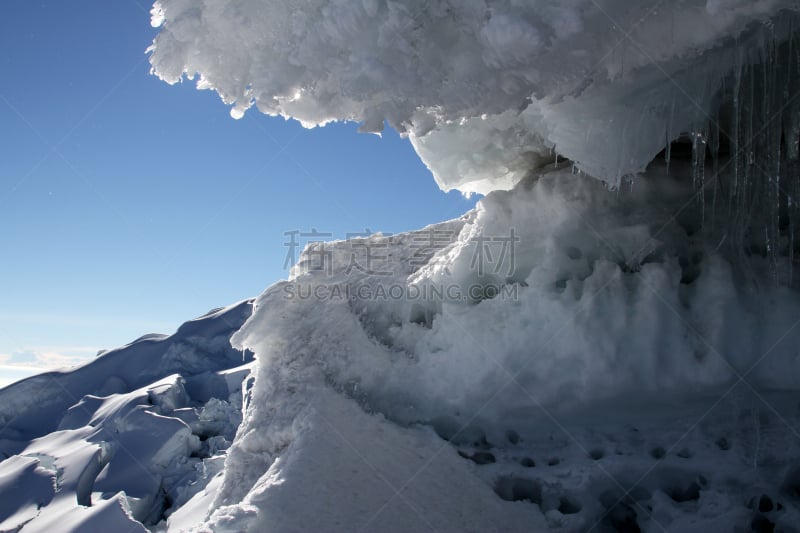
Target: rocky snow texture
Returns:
[485, 89]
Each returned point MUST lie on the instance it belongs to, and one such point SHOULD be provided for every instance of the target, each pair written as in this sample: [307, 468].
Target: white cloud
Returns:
[36, 359]
[58, 357]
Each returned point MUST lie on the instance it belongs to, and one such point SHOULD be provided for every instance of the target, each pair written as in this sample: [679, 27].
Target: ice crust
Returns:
[485, 89]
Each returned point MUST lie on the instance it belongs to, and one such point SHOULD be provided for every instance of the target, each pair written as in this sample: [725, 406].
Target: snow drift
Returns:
[602, 308]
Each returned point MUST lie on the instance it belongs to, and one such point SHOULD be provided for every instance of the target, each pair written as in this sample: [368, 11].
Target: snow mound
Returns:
[605, 364]
[486, 89]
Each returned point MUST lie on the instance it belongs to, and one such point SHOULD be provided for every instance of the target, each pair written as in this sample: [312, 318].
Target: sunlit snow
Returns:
[607, 342]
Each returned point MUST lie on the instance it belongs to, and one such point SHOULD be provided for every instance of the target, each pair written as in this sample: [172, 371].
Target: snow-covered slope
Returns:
[431, 381]
[132, 435]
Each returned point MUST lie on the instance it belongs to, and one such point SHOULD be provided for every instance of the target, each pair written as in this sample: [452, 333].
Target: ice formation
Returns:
[490, 90]
[678, 286]
[606, 305]
[608, 342]
[484, 88]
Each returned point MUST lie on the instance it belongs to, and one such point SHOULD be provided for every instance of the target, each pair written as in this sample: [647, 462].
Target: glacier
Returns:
[107, 446]
[607, 342]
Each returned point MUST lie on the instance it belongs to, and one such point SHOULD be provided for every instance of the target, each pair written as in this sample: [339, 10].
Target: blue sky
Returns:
[128, 206]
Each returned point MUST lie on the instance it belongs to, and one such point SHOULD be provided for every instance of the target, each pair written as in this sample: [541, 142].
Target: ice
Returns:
[608, 305]
[484, 88]
[121, 442]
[36, 482]
[123, 370]
[577, 246]
[194, 511]
[351, 465]
[562, 357]
[608, 341]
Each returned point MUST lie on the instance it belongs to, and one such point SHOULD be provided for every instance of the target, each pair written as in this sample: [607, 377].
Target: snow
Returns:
[583, 253]
[104, 447]
[622, 347]
[608, 341]
[601, 366]
[606, 84]
[122, 370]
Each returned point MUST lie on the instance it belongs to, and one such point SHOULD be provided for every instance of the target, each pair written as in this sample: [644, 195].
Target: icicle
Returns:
[793, 136]
[792, 132]
[668, 133]
[698, 168]
[790, 209]
[792, 147]
[702, 176]
[734, 139]
[713, 134]
[773, 118]
[747, 184]
[760, 110]
[748, 135]
[791, 122]
[770, 250]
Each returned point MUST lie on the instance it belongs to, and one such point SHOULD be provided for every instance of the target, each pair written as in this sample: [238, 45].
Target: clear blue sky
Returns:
[128, 206]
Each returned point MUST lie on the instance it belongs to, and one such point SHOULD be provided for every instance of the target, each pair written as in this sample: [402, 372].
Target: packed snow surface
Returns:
[485, 89]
